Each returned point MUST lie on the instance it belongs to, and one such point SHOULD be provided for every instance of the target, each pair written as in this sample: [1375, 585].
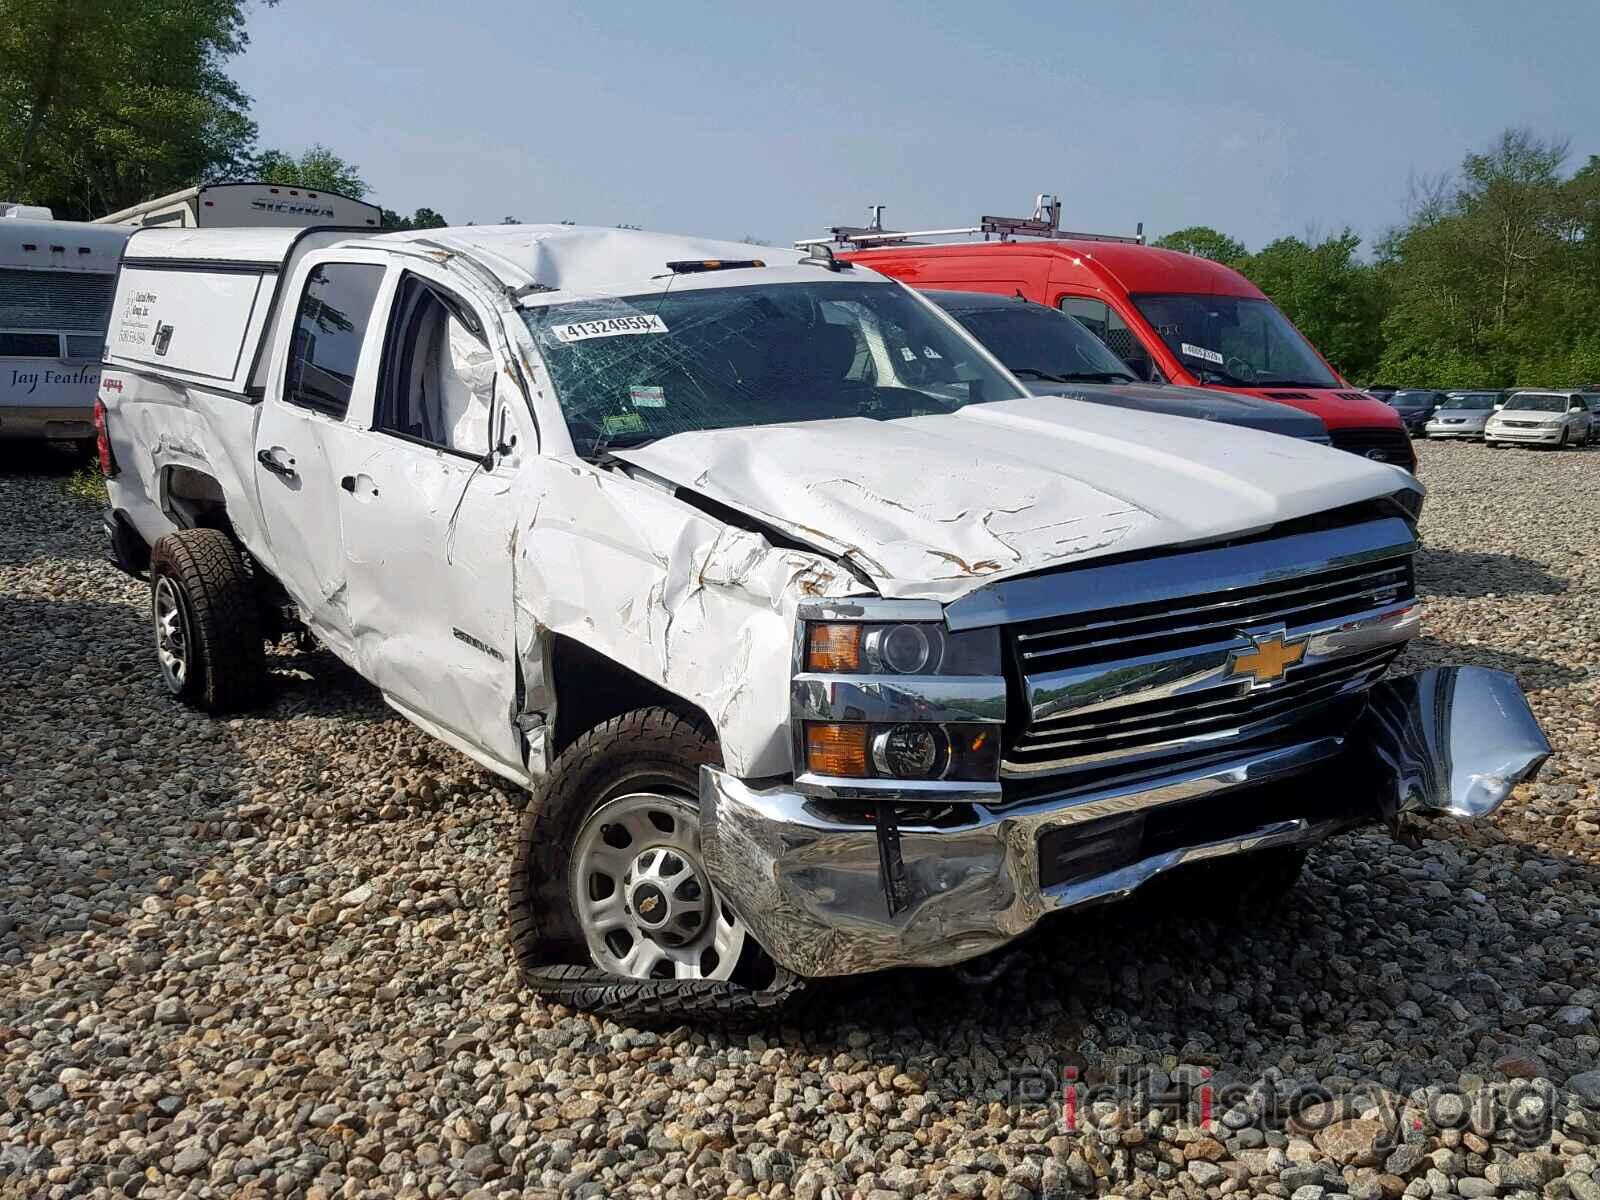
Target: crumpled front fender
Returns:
[1452, 741]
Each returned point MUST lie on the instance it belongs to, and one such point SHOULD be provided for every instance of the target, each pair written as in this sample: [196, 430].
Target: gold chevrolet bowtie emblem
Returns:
[1268, 658]
[648, 905]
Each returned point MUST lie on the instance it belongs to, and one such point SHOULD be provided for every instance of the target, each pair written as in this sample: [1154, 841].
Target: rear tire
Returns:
[208, 635]
[647, 751]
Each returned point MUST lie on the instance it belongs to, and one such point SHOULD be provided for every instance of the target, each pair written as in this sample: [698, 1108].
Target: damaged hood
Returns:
[935, 506]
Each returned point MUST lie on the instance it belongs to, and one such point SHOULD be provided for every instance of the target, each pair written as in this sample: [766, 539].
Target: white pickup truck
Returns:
[823, 647]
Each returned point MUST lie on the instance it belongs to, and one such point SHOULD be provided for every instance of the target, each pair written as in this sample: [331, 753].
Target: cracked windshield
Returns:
[631, 370]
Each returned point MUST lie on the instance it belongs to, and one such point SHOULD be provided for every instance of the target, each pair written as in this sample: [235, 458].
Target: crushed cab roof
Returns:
[540, 257]
[566, 258]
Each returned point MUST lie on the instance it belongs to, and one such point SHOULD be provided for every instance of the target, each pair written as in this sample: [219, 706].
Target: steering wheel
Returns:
[1240, 369]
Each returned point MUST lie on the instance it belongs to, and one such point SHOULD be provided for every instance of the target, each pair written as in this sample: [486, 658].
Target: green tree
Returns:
[1495, 283]
[317, 169]
[423, 218]
[1334, 298]
[103, 105]
[1204, 242]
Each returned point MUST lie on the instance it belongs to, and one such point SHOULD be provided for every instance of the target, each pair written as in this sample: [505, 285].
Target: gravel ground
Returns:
[264, 956]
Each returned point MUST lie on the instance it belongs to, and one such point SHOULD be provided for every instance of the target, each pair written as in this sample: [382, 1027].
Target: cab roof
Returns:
[1135, 268]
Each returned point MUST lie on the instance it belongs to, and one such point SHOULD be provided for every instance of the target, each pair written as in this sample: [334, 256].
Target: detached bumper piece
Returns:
[829, 891]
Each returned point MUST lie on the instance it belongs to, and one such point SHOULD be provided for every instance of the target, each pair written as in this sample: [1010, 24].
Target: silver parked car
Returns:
[1556, 419]
[1463, 414]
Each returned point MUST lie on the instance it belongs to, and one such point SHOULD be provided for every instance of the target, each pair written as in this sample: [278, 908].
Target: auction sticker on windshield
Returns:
[1210, 356]
[578, 331]
[648, 397]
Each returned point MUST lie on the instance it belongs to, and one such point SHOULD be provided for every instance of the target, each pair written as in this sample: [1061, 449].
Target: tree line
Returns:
[1492, 279]
[104, 104]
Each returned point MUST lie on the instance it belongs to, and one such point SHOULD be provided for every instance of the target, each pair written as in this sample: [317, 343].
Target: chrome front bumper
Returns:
[810, 881]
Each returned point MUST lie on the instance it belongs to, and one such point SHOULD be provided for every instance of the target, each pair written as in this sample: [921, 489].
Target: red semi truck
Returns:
[1173, 317]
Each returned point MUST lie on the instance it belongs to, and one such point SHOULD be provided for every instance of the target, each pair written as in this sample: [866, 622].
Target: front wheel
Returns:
[611, 906]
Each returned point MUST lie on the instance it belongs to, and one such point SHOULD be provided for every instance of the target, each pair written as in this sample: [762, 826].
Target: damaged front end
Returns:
[812, 880]
[1143, 715]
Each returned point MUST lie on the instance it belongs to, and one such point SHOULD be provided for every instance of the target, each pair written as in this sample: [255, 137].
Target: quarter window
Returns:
[329, 328]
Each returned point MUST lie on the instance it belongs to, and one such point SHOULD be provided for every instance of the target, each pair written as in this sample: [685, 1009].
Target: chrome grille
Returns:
[1144, 629]
[1117, 683]
[1185, 721]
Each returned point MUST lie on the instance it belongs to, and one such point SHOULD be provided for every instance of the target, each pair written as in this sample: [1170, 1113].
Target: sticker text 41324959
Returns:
[579, 331]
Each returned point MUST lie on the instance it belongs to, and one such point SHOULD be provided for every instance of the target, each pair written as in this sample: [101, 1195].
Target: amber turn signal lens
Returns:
[833, 648]
[836, 750]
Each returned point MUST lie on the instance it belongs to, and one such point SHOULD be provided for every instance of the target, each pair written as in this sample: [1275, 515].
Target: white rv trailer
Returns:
[245, 204]
[56, 284]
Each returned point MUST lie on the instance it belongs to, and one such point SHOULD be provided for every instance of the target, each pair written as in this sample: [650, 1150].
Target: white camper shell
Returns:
[222, 205]
[826, 647]
[56, 281]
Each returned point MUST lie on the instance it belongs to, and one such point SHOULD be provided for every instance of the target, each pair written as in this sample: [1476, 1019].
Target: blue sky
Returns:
[1259, 118]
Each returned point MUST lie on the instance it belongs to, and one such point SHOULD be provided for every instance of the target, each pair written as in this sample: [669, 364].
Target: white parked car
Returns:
[1463, 415]
[1538, 418]
[817, 661]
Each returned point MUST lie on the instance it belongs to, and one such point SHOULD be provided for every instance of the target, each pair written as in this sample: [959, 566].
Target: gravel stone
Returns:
[264, 956]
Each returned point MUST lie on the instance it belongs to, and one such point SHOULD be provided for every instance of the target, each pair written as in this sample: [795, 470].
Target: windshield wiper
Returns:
[1074, 376]
[1099, 377]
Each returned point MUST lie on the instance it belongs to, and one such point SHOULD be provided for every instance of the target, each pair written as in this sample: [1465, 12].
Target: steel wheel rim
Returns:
[172, 633]
[637, 882]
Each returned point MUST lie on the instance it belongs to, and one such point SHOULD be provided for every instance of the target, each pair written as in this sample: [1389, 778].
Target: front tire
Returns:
[611, 908]
[203, 607]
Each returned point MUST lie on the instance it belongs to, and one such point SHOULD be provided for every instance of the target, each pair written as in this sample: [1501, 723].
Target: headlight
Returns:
[908, 751]
[903, 703]
[898, 648]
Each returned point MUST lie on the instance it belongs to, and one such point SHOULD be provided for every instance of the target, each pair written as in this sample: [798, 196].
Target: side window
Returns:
[85, 345]
[1107, 324]
[438, 373]
[328, 331]
[29, 345]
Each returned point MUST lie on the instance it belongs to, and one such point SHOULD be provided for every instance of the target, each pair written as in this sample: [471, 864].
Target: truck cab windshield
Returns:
[1235, 340]
[633, 369]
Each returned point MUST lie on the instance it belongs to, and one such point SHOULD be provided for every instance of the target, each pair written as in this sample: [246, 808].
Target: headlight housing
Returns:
[887, 701]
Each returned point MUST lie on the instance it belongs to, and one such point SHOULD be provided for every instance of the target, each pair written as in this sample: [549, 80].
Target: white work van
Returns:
[56, 281]
[824, 646]
[229, 205]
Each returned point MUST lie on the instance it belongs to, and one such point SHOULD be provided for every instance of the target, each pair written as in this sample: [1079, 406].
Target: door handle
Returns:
[269, 460]
[349, 483]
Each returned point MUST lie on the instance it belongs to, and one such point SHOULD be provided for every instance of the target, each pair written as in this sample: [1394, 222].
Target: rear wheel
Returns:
[203, 609]
[611, 908]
